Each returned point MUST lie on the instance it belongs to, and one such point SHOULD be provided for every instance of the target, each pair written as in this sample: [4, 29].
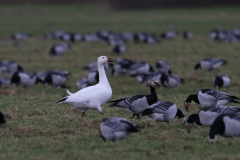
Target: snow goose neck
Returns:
[164, 111]
[210, 64]
[207, 115]
[227, 125]
[138, 103]
[222, 81]
[211, 97]
[94, 96]
[2, 120]
[116, 128]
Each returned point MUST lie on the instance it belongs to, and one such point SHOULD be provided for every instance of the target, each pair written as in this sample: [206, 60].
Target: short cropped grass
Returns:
[39, 129]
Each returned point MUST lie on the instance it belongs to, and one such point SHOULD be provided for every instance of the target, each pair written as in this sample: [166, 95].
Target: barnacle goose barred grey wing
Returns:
[126, 102]
[159, 107]
[120, 124]
[218, 95]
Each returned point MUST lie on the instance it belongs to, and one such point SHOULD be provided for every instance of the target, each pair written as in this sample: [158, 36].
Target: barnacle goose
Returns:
[222, 81]
[210, 97]
[137, 103]
[226, 125]
[117, 128]
[207, 115]
[210, 64]
[164, 111]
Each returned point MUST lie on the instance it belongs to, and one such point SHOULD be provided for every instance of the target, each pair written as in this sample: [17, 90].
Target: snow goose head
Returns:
[104, 60]
[155, 84]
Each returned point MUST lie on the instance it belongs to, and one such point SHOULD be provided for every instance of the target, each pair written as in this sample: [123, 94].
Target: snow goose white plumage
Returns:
[227, 125]
[210, 97]
[164, 111]
[116, 128]
[94, 96]
[138, 103]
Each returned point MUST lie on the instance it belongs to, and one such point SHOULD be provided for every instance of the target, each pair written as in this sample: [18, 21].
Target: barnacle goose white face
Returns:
[214, 140]
[182, 120]
[104, 59]
[189, 126]
[154, 84]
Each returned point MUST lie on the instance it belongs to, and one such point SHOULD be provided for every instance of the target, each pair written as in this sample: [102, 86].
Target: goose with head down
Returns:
[94, 96]
[138, 103]
[210, 97]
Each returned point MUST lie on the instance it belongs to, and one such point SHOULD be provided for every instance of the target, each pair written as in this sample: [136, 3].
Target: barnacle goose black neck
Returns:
[210, 97]
[207, 115]
[222, 81]
[138, 103]
[210, 64]
[2, 120]
[117, 128]
[227, 125]
[164, 111]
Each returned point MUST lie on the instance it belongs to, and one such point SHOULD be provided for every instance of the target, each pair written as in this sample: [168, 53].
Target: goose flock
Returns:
[95, 89]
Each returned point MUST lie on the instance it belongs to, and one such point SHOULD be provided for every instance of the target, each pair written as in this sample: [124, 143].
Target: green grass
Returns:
[39, 129]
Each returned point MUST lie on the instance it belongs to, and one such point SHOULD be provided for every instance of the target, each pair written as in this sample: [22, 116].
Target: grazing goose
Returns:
[25, 79]
[222, 81]
[170, 81]
[210, 97]
[94, 67]
[4, 82]
[137, 103]
[7, 66]
[187, 35]
[82, 83]
[140, 68]
[117, 128]
[75, 37]
[93, 77]
[210, 64]
[207, 115]
[163, 66]
[121, 66]
[164, 111]
[59, 49]
[2, 120]
[94, 96]
[55, 78]
[119, 49]
[227, 125]
[20, 36]
[169, 34]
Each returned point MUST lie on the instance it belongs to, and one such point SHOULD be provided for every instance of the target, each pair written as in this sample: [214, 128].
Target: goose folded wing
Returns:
[218, 95]
[126, 125]
[126, 102]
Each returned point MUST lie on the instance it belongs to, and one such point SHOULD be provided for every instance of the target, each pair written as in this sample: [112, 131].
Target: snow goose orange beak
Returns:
[110, 59]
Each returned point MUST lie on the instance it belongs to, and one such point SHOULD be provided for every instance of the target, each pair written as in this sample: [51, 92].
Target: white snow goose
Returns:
[222, 81]
[138, 103]
[210, 97]
[2, 120]
[210, 64]
[227, 125]
[207, 115]
[117, 128]
[164, 111]
[94, 96]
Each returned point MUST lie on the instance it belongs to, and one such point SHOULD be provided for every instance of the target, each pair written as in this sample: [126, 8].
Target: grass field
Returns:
[40, 129]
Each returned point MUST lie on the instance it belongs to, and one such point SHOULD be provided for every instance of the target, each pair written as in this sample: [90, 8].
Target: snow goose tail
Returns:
[94, 96]
[2, 120]
[164, 111]
[227, 125]
[117, 128]
[137, 103]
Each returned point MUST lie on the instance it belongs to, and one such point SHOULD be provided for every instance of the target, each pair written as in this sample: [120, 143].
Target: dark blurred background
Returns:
[131, 4]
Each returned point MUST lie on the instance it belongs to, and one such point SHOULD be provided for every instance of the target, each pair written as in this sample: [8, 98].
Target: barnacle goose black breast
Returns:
[222, 81]
[117, 128]
[207, 115]
[227, 125]
[138, 103]
[164, 111]
[211, 97]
